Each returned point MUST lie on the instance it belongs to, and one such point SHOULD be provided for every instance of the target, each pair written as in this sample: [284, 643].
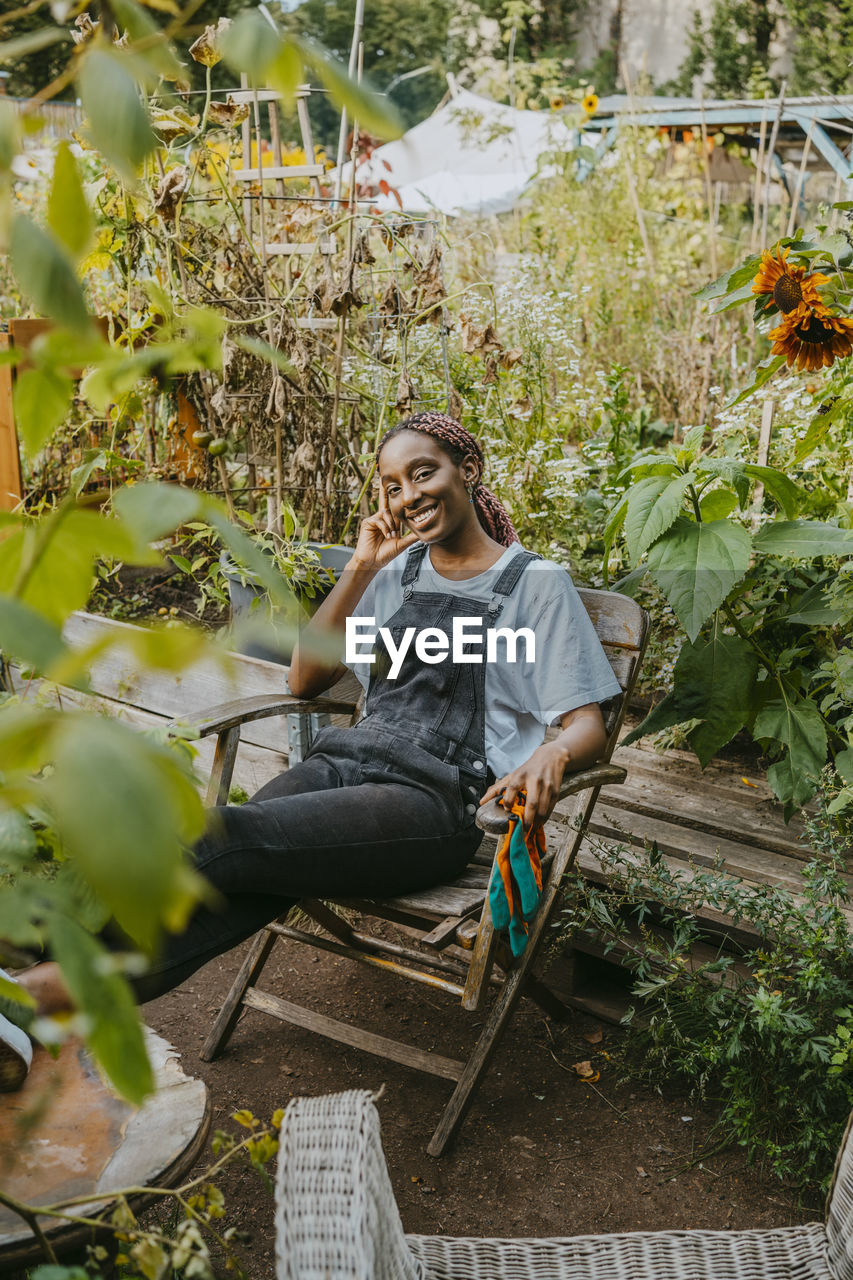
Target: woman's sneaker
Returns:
[16, 1055]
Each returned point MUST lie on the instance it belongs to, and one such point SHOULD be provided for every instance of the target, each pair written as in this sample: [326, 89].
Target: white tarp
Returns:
[473, 155]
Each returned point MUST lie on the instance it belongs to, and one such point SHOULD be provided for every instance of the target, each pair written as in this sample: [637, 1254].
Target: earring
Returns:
[470, 488]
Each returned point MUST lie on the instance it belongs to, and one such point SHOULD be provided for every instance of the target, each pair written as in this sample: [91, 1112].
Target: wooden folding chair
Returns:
[450, 943]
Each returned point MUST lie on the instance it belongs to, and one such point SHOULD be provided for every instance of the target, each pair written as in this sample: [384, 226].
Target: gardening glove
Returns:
[517, 878]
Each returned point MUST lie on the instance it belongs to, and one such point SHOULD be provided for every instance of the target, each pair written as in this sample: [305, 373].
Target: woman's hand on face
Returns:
[540, 777]
[379, 539]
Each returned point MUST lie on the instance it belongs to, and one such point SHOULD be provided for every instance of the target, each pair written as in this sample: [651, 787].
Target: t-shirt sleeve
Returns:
[571, 668]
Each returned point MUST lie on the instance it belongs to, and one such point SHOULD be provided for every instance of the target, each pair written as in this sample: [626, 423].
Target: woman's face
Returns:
[424, 488]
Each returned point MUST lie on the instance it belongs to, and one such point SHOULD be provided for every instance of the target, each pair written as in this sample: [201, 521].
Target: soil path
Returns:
[540, 1153]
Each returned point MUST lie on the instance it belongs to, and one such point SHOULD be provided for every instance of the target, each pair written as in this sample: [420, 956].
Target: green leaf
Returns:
[697, 565]
[115, 1037]
[370, 110]
[660, 464]
[817, 429]
[118, 122]
[712, 682]
[10, 135]
[286, 72]
[716, 504]
[804, 539]
[653, 507]
[615, 520]
[251, 46]
[730, 471]
[17, 840]
[763, 374]
[736, 298]
[34, 41]
[815, 608]
[46, 275]
[844, 765]
[27, 636]
[730, 280]
[257, 347]
[787, 494]
[67, 208]
[153, 510]
[103, 772]
[42, 399]
[691, 445]
[795, 724]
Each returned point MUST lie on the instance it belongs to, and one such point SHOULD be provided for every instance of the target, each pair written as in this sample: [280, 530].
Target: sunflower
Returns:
[812, 339]
[590, 103]
[556, 102]
[789, 286]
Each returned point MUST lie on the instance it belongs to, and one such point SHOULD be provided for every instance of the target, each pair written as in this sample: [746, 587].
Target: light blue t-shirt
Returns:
[570, 668]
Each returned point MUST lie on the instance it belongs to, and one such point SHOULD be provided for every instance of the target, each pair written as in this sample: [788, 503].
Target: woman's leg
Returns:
[307, 835]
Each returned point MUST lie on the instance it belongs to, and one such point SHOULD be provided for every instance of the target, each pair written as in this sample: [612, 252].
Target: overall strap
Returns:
[412, 568]
[508, 580]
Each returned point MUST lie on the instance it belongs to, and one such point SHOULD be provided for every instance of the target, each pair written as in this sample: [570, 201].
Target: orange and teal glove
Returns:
[517, 878]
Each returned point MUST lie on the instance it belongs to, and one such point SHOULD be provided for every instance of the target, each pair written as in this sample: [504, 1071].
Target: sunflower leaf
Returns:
[787, 494]
[804, 539]
[697, 565]
[729, 280]
[653, 507]
[796, 725]
[736, 299]
[763, 374]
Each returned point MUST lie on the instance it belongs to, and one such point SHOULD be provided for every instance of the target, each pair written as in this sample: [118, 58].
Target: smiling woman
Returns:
[388, 807]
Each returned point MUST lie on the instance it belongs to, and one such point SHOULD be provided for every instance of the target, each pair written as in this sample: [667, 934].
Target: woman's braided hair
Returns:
[460, 444]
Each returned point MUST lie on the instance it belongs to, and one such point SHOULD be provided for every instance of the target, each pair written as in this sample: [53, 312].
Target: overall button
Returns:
[470, 808]
[478, 765]
[474, 791]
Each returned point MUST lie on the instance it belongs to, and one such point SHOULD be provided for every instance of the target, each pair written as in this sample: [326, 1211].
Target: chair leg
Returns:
[249, 972]
[514, 983]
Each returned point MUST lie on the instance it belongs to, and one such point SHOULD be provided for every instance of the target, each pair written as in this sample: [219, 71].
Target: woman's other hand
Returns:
[579, 745]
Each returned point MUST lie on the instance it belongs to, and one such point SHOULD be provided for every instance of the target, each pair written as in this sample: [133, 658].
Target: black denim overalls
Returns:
[384, 808]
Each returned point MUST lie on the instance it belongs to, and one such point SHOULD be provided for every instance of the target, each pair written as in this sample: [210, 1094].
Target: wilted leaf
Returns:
[585, 1071]
[478, 339]
[228, 114]
[170, 190]
[207, 49]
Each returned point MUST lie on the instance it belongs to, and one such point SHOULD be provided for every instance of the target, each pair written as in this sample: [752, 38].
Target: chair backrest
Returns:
[335, 1212]
[622, 626]
[839, 1211]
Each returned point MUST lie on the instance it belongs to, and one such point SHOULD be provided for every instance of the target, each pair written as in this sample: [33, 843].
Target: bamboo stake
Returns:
[246, 140]
[771, 151]
[342, 325]
[632, 183]
[709, 198]
[342, 132]
[756, 192]
[801, 178]
[768, 410]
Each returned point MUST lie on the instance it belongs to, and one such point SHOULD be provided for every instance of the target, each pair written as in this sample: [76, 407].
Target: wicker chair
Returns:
[336, 1217]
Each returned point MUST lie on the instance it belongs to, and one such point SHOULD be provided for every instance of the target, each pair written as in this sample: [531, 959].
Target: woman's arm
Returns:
[579, 745]
[316, 660]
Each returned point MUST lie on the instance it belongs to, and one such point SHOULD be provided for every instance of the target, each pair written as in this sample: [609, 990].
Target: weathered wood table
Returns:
[66, 1134]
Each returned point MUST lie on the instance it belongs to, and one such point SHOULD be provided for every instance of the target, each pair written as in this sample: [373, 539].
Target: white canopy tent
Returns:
[472, 155]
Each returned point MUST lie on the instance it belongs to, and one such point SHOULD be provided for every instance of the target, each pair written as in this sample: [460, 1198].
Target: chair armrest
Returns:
[230, 714]
[493, 818]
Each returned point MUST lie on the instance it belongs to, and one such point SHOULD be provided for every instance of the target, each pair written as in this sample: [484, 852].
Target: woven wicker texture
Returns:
[839, 1215]
[336, 1216]
[793, 1253]
[336, 1219]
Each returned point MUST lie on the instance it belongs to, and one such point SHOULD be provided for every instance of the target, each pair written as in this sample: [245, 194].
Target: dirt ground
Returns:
[540, 1154]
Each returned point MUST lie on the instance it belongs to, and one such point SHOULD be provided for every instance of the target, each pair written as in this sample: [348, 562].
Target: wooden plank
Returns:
[11, 489]
[279, 171]
[652, 793]
[443, 900]
[700, 847]
[395, 1050]
[191, 692]
[618, 620]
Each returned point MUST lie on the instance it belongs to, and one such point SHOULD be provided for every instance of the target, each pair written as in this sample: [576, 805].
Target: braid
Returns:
[460, 444]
